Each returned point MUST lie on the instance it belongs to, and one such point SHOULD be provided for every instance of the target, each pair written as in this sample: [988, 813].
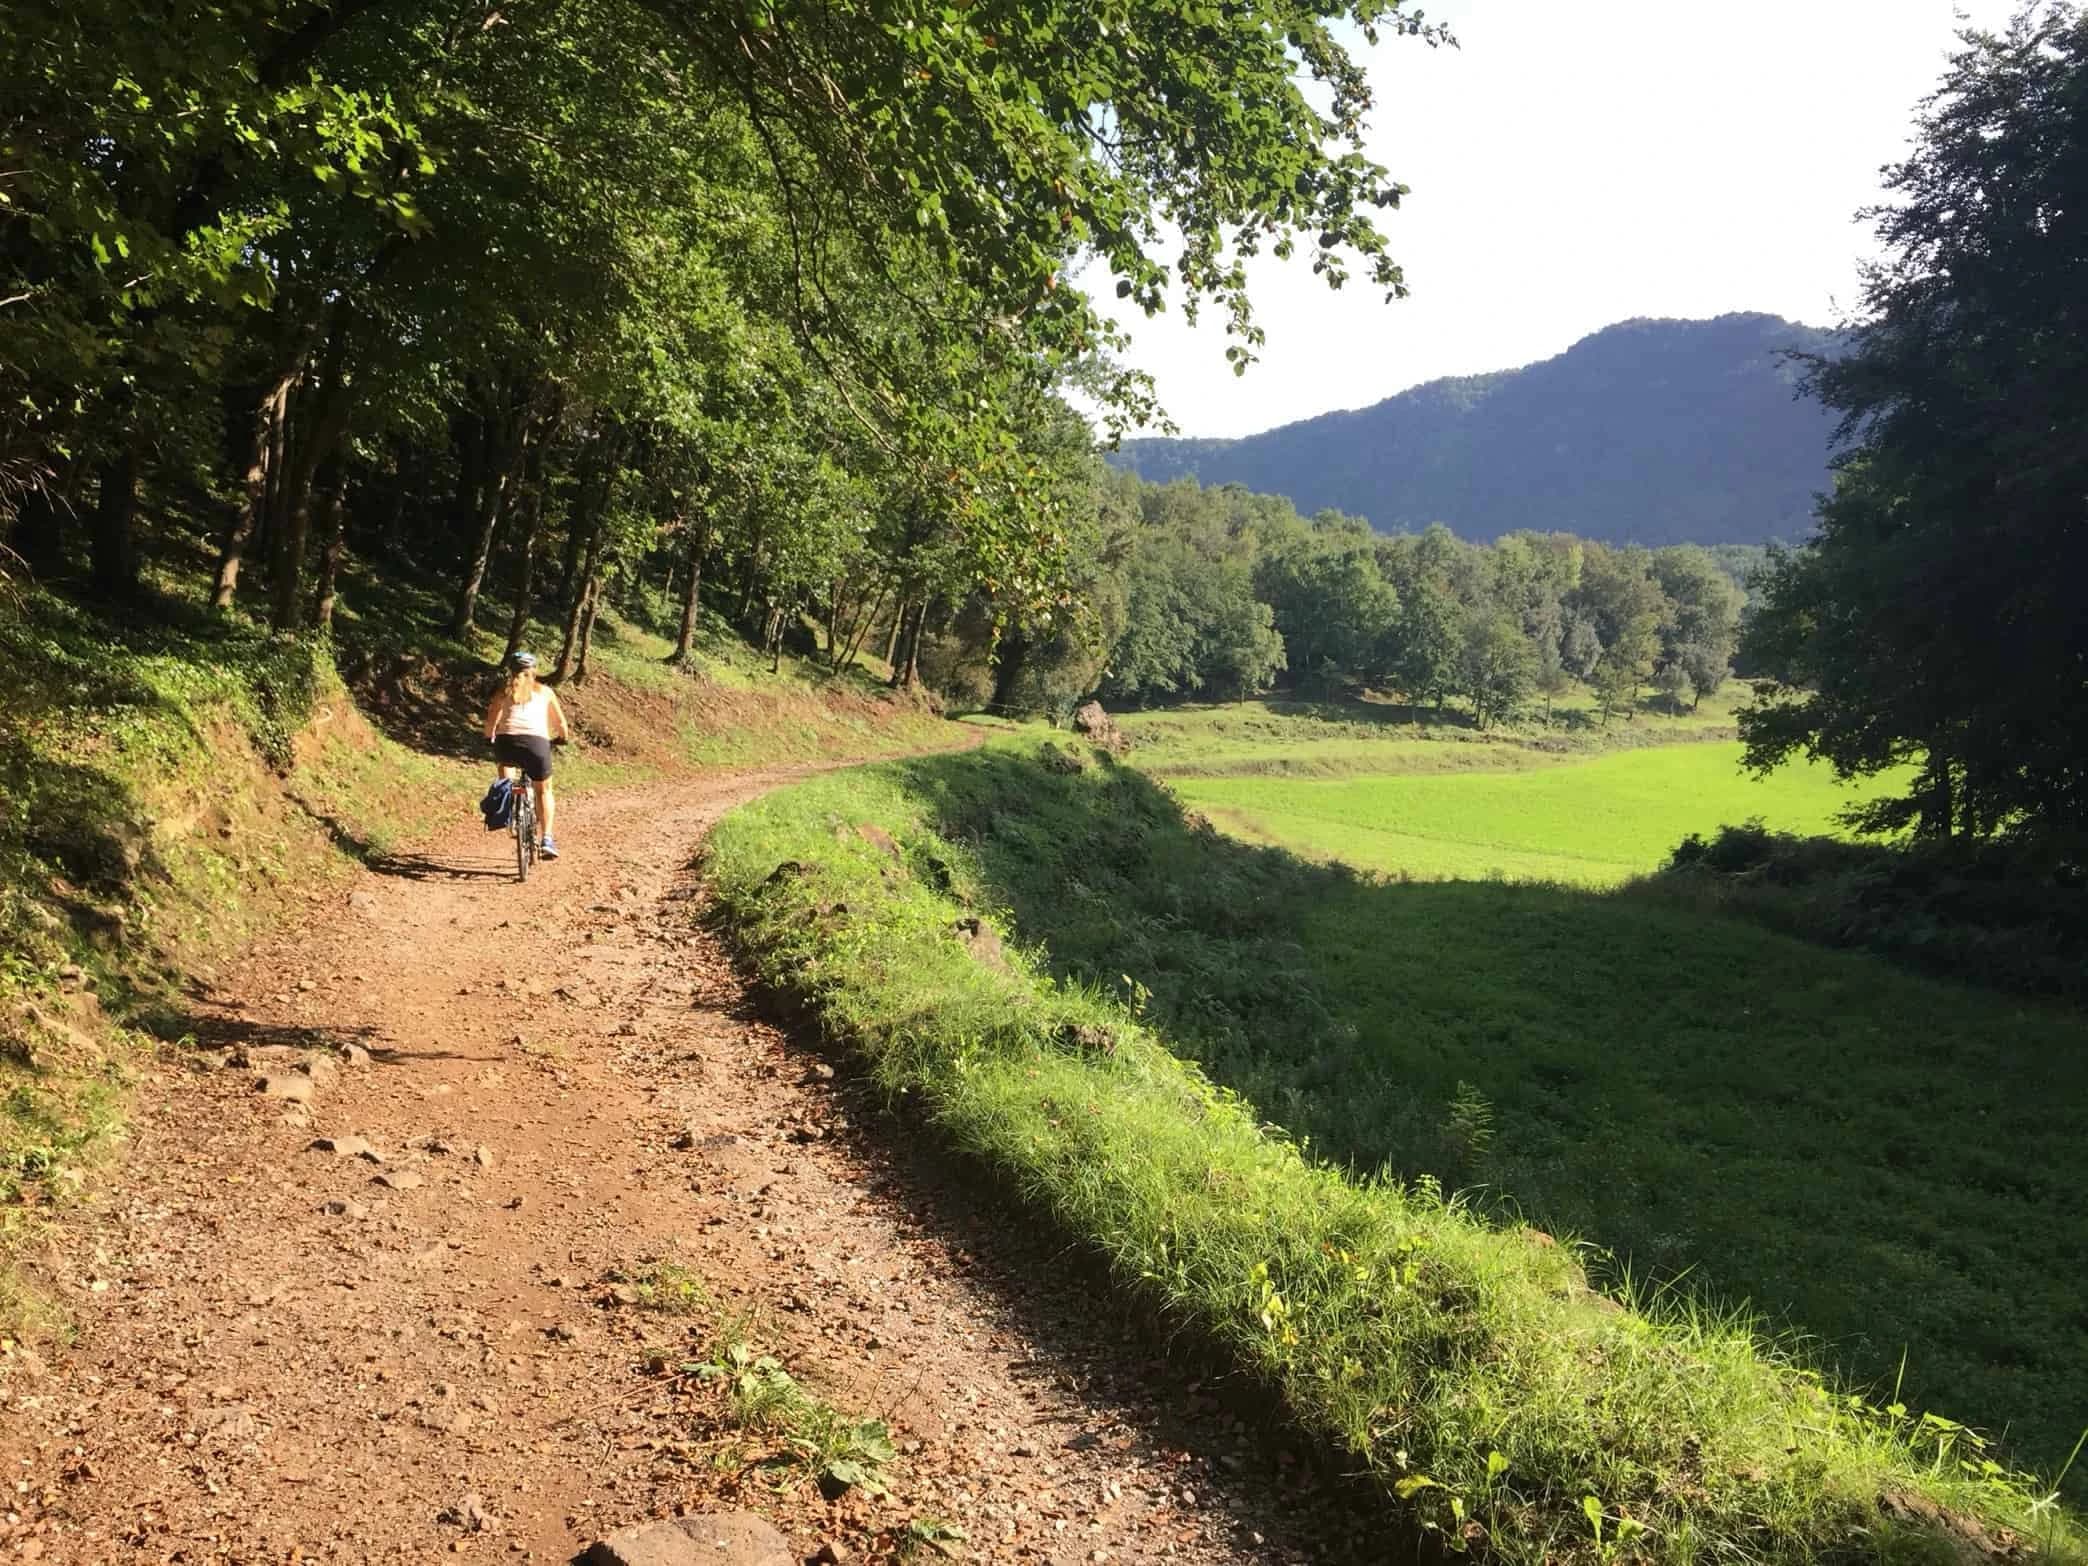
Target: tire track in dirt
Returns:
[291, 1355]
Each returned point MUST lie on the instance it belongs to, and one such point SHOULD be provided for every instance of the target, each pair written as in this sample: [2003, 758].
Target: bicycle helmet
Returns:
[521, 661]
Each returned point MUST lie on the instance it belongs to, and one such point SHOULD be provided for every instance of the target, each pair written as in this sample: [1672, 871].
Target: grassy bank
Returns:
[168, 784]
[1504, 1403]
[1881, 1163]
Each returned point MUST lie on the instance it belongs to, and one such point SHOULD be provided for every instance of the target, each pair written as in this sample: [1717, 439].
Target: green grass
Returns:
[638, 717]
[1593, 822]
[1468, 1365]
[804, 1436]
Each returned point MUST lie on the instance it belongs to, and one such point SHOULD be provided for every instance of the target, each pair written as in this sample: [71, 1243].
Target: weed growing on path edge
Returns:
[669, 1287]
[1472, 1369]
[802, 1434]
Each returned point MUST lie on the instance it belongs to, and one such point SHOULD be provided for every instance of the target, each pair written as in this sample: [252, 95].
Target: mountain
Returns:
[1650, 432]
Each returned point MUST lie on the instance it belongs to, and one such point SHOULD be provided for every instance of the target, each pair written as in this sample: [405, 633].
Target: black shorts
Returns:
[527, 751]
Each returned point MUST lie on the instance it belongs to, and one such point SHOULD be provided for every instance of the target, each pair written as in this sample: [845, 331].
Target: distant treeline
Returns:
[1218, 594]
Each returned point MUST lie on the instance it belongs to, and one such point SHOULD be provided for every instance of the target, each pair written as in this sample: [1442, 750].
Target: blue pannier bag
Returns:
[498, 807]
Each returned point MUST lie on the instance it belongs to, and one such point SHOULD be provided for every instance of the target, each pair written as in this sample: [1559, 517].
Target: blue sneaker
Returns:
[547, 849]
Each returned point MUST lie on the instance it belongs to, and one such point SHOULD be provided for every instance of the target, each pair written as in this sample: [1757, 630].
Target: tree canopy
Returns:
[778, 290]
[1935, 619]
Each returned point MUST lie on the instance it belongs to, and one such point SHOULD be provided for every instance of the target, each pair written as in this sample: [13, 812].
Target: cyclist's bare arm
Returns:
[560, 729]
[493, 709]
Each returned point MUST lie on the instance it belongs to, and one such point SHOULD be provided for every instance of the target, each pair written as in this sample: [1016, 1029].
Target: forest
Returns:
[1219, 594]
[756, 298]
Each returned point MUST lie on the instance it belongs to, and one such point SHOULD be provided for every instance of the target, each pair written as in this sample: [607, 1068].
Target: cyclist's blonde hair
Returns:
[521, 685]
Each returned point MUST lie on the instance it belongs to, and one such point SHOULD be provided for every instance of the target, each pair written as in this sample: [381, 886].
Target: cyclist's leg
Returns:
[547, 804]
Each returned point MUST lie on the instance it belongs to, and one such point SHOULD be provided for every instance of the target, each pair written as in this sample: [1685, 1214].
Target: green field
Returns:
[1594, 822]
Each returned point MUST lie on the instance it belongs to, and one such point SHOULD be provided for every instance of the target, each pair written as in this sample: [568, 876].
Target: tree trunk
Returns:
[578, 615]
[485, 525]
[115, 547]
[750, 584]
[270, 522]
[773, 637]
[290, 557]
[1014, 658]
[908, 667]
[591, 601]
[862, 627]
[317, 439]
[578, 527]
[596, 469]
[332, 500]
[897, 678]
[525, 582]
[913, 646]
[1939, 814]
[892, 641]
[248, 523]
[692, 589]
[510, 445]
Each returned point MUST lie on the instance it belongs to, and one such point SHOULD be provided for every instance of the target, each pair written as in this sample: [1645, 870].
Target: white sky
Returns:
[1576, 164]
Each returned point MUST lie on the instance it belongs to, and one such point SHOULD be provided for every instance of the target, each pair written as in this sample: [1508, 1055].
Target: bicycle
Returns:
[522, 822]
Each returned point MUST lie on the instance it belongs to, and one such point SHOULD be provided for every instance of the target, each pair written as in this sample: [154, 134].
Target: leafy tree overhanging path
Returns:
[283, 1358]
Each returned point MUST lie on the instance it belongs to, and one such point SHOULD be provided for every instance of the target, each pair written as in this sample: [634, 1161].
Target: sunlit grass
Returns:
[1588, 822]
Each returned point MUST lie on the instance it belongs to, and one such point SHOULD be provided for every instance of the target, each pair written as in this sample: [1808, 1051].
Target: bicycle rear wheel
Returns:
[525, 834]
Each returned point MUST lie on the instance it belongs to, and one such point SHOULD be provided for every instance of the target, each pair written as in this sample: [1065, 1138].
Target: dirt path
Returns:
[284, 1358]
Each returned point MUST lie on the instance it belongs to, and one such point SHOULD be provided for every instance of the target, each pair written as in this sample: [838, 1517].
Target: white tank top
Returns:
[532, 717]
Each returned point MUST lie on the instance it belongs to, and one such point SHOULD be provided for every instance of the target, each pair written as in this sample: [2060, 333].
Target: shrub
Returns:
[2011, 913]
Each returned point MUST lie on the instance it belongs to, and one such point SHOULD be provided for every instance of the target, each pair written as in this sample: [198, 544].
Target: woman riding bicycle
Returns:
[522, 720]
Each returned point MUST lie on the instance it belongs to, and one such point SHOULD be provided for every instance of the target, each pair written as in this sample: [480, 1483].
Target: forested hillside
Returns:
[1648, 432]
